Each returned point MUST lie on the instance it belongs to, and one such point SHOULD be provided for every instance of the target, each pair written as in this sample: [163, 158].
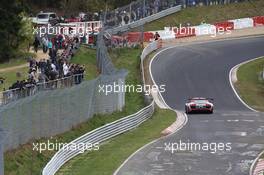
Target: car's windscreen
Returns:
[199, 101]
[43, 16]
[52, 16]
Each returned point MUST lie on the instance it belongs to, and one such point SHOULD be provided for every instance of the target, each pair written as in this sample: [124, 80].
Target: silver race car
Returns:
[199, 104]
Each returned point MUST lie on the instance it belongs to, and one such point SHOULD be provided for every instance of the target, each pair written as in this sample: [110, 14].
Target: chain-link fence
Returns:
[52, 112]
[54, 107]
[104, 63]
[32, 89]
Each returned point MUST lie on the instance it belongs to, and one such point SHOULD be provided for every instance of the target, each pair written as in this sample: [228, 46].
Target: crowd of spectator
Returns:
[57, 66]
[137, 10]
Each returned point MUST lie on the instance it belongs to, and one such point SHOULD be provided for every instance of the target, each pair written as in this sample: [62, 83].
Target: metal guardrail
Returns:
[97, 136]
[146, 51]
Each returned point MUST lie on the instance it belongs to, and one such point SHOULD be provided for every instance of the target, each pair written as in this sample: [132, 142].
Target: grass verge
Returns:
[250, 86]
[112, 153]
[209, 14]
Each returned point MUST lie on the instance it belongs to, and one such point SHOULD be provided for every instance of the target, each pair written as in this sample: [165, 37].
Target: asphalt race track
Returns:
[202, 70]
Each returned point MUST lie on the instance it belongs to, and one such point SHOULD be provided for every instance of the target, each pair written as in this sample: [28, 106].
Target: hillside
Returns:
[209, 14]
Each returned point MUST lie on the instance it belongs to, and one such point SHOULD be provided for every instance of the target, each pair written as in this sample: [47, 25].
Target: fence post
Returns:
[1, 152]
[121, 94]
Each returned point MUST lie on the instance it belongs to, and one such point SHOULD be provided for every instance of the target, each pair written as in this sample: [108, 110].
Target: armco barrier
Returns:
[146, 51]
[258, 21]
[242, 23]
[97, 136]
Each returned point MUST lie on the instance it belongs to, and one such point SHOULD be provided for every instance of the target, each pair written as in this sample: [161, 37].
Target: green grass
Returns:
[11, 77]
[13, 62]
[112, 153]
[128, 59]
[250, 86]
[20, 58]
[209, 14]
[86, 56]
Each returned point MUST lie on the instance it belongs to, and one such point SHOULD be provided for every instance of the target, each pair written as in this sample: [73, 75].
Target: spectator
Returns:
[65, 69]
[36, 44]
[45, 43]
[50, 45]
[53, 55]
[33, 75]
[51, 69]
[32, 63]
[156, 36]
[2, 80]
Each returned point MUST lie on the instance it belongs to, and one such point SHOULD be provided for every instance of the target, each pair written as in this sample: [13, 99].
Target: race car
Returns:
[199, 104]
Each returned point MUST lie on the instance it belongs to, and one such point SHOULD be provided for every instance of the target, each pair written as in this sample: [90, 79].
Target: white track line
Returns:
[235, 68]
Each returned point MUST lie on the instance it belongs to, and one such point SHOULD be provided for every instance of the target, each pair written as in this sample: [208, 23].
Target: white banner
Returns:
[242, 23]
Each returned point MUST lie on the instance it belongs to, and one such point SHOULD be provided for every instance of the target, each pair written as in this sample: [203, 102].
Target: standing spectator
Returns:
[42, 65]
[53, 55]
[156, 36]
[156, 6]
[33, 75]
[2, 80]
[65, 69]
[36, 44]
[60, 40]
[50, 45]
[45, 43]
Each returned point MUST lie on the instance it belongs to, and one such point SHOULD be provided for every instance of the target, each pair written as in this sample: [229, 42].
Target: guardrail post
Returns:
[1, 152]
[263, 74]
